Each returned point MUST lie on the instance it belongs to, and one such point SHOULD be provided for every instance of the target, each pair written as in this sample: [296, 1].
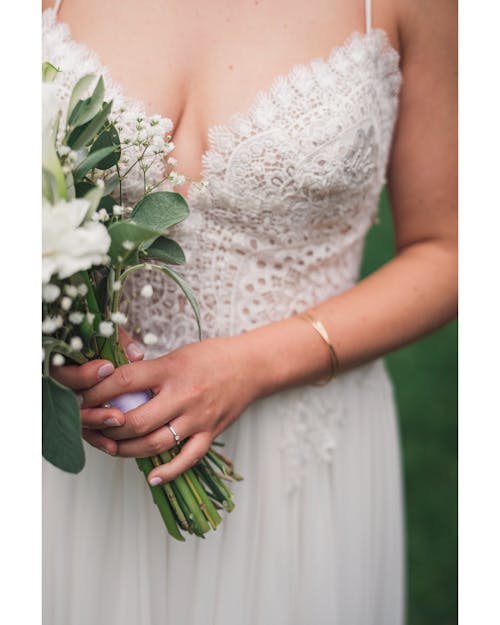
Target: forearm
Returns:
[407, 298]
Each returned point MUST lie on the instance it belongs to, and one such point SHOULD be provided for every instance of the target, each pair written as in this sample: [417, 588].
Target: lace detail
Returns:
[292, 188]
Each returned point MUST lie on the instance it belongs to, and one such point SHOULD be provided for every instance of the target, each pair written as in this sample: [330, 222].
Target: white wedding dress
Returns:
[316, 537]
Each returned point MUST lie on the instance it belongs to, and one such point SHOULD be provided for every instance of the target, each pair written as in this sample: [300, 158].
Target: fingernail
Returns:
[106, 451]
[154, 481]
[105, 370]
[134, 351]
[111, 422]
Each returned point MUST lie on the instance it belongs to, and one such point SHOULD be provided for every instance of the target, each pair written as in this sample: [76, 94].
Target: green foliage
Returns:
[86, 110]
[85, 134]
[49, 72]
[166, 251]
[160, 210]
[108, 138]
[61, 430]
[94, 159]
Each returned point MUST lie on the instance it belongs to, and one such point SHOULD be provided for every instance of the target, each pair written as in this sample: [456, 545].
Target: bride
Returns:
[295, 116]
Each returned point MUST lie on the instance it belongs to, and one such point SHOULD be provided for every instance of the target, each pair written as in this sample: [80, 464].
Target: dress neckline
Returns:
[213, 130]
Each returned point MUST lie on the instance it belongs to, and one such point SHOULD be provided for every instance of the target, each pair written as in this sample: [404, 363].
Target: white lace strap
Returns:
[368, 15]
[57, 6]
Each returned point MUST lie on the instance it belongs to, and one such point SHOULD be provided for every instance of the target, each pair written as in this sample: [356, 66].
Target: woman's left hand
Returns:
[199, 389]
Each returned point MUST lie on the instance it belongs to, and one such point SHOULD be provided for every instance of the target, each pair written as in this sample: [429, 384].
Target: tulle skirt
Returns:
[316, 537]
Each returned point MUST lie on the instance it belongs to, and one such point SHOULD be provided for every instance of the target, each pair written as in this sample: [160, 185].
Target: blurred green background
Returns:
[425, 380]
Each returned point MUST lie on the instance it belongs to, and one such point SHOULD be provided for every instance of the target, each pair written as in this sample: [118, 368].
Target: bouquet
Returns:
[91, 244]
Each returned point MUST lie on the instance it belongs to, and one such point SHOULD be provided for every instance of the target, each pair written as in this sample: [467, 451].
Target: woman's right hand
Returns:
[82, 377]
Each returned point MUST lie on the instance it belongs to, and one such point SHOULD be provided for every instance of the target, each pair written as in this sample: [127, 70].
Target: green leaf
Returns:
[93, 195]
[85, 110]
[160, 210]
[49, 71]
[51, 344]
[61, 429]
[165, 250]
[78, 90]
[108, 138]
[92, 160]
[85, 134]
[111, 183]
[127, 230]
[186, 289]
[49, 186]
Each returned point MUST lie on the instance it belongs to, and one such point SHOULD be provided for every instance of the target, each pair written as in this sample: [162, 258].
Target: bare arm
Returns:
[416, 292]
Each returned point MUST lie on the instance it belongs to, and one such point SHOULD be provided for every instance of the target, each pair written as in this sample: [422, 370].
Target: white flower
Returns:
[76, 343]
[166, 124]
[158, 141]
[100, 215]
[50, 292]
[68, 245]
[171, 161]
[66, 303]
[51, 324]
[106, 328]
[82, 289]
[169, 147]
[90, 317]
[58, 360]
[118, 210]
[128, 245]
[70, 290]
[150, 339]
[117, 285]
[76, 317]
[147, 291]
[177, 179]
[118, 317]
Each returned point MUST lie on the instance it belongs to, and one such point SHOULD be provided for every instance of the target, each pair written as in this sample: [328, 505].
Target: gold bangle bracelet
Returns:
[321, 330]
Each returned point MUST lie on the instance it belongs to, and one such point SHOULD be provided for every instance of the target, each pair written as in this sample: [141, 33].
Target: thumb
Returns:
[131, 348]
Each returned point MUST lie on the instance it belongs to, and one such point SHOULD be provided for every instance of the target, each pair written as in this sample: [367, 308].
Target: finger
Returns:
[144, 419]
[100, 418]
[97, 439]
[156, 442]
[131, 348]
[135, 376]
[191, 452]
[80, 377]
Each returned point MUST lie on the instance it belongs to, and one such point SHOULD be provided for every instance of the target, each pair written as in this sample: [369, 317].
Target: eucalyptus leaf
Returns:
[84, 135]
[111, 183]
[186, 289]
[78, 91]
[108, 138]
[161, 210]
[87, 109]
[61, 428]
[92, 160]
[93, 195]
[165, 250]
[130, 233]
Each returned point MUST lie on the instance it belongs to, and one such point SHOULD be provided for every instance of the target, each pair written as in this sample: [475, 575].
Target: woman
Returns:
[293, 183]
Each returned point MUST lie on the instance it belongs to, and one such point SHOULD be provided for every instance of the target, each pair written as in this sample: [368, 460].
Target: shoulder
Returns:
[47, 4]
[426, 27]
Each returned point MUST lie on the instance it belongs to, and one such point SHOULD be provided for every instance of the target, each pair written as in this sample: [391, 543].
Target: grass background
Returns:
[425, 379]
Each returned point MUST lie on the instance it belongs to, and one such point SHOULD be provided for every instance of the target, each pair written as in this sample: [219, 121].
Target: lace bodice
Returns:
[292, 187]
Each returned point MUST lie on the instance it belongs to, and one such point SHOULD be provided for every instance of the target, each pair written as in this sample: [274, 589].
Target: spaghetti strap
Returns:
[57, 6]
[368, 15]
